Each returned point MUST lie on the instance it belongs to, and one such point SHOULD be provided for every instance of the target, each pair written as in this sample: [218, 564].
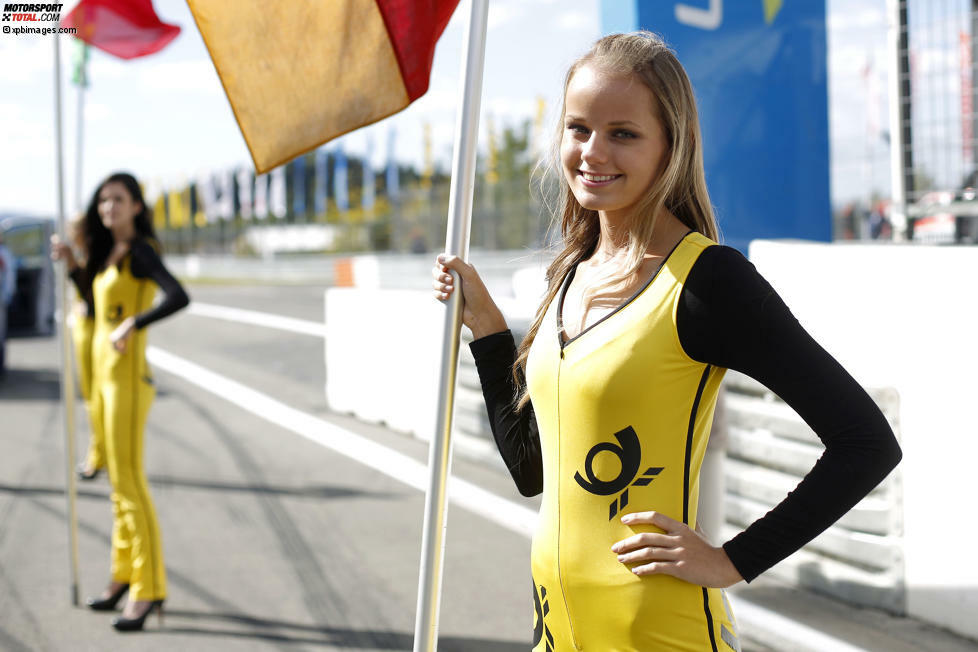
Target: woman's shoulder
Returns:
[145, 248]
[145, 255]
[721, 260]
[723, 274]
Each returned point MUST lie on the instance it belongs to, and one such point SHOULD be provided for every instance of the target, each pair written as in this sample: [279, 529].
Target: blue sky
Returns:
[165, 117]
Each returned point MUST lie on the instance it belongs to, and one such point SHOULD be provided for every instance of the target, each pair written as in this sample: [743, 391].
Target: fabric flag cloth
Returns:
[159, 211]
[340, 189]
[246, 182]
[392, 181]
[261, 196]
[125, 28]
[299, 187]
[225, 205]
[79, 63]
[197, 215]
[322, 182]
[368, 191]
[207, 195]
[175, 209]
[277, 195]
[301, 73]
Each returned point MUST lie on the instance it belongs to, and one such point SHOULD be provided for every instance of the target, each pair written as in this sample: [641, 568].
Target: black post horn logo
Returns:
[629, 453]
[541, 607]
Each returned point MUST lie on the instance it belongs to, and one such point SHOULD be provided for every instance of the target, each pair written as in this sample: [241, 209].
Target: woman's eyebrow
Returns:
[613, 123]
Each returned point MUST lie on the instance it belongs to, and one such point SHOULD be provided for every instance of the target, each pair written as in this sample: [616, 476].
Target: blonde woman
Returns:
[606, 406]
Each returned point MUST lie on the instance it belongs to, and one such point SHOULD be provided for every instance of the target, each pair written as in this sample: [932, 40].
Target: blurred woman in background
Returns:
[119, 279]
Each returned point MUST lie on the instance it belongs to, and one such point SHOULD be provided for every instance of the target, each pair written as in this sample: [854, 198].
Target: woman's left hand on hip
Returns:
[678, 551]
[120, 336]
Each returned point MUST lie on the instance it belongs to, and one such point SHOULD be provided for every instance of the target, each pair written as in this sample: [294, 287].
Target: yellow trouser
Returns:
[82, 335]
[123, 393]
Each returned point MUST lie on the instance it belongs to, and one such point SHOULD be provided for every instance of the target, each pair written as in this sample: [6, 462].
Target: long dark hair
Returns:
[98, 239]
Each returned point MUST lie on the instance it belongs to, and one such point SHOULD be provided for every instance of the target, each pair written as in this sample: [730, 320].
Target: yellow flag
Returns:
[302, 72]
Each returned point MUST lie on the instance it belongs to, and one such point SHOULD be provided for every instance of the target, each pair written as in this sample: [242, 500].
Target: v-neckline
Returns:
[122, 259]
[570, 276]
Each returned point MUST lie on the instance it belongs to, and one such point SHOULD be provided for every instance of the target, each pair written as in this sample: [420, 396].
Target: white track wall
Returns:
[907, 318]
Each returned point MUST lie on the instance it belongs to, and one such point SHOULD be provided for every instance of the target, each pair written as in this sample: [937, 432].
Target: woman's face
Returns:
[612, 144]
[116, 207]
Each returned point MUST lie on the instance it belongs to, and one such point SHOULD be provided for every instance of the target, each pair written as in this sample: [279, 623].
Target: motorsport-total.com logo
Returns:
[18, 12]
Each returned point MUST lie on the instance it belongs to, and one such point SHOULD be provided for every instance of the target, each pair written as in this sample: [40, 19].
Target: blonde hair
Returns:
[679, 188]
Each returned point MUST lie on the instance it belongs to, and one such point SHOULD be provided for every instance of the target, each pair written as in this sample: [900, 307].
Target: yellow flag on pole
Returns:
[298, 74]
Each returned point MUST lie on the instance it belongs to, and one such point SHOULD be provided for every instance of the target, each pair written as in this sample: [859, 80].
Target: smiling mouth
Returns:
[597, 179]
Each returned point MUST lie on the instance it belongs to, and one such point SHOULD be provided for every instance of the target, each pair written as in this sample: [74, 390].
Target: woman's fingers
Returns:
[442, 282]
[457, 265]
[58, 248]
[655, 552]
[651, 553]
[657, 519]
[643, 540]
[660, 567]
[440, 272]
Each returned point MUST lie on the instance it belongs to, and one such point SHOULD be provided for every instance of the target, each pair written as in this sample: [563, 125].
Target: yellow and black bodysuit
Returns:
[82, 330]
[619, 423]
[122, 392]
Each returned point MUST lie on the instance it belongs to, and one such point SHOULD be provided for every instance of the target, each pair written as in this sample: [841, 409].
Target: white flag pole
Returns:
[82, 81]
[896, 35]
[456, 243]
[67, 380]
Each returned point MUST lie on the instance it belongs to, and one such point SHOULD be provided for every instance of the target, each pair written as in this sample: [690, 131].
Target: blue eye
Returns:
[624, 133]
[578, 129]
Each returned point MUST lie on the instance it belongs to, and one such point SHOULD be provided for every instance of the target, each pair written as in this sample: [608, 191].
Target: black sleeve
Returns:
[146, 263]
[729, 316]
[515, 432]
[77, 275]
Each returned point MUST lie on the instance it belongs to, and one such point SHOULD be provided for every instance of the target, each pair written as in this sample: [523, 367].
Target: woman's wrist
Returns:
[494, 323]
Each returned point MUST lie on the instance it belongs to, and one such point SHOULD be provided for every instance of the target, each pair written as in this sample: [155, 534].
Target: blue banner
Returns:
[758, 68]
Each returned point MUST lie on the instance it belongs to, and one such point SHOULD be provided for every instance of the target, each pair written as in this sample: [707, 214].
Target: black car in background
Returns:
[31, 312]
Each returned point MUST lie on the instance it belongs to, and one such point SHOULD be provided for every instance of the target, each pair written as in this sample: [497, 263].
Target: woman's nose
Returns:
[594, 149]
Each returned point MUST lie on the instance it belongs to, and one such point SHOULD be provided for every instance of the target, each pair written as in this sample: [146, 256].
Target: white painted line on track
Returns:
[266, 319]
[512, 516]
[751, 616]
[402, 468]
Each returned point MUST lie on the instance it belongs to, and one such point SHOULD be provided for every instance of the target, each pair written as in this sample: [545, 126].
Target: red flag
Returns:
[303, 72]
[125, 28]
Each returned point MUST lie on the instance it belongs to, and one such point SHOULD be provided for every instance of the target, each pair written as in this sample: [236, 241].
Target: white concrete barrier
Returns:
[382, 354]
[906, 317]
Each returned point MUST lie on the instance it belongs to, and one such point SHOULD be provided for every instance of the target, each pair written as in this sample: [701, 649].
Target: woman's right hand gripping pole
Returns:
[479, 311]
[60, 250]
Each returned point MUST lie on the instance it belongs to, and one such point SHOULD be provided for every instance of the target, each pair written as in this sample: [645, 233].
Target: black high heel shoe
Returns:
[109, 603]
[87, 474]
[136, 624]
